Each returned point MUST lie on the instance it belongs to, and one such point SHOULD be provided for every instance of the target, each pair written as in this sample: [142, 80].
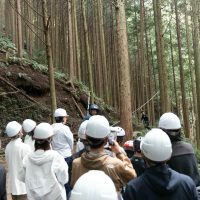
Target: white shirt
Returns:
[79, 146]
[15, 151]
[45, 173]
[30, 142]
[62, 140]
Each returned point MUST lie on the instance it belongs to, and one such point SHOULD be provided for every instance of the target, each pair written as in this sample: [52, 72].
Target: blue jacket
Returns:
[161, 183]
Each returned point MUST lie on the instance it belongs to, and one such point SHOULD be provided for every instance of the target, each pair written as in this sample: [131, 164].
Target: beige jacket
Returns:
[119, 169]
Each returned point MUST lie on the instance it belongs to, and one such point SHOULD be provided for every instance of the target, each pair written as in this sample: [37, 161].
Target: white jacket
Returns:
[15, 151]
[29, 141]
[45, 173]
[79, 146]
[62, 140]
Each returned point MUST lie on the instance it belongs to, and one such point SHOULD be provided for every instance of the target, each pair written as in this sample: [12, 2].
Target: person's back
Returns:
[159, 182]
[62, 140]
[28, 126]
[2, 183]
[15, 151]
[119, 169]
[44, 171]
[44, 175]
[183, 159]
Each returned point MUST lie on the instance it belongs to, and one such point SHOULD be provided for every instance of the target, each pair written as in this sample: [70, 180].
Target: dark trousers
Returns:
[68, 188]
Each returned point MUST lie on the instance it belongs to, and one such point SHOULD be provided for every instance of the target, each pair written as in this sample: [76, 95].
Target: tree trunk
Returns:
[184, 101]
[89, 63]
[196, 47]
[19, 30]
[49, 57]
[163, 75]
[124, 71]
[173, 70]
[192, 71]
[71, 53]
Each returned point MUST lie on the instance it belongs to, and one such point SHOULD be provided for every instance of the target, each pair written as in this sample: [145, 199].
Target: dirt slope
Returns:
[25, 93]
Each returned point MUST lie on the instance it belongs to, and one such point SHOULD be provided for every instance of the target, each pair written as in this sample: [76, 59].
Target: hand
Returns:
[115, 148]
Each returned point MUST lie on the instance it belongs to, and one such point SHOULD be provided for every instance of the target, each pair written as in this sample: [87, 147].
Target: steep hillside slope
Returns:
[25, 93]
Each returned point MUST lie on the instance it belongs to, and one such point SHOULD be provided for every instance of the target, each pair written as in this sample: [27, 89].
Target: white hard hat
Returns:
[60, 112]
[169, 121]
[13, 128]
[43, 131]
[156, 145]
[94, 185]
[82, 129]
[97, 127]
[28, 125]
[120, 131]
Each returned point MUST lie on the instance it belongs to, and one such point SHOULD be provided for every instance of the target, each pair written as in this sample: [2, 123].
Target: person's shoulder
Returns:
[55, 154]
[184, 144]
[136, 181]
[66, 128]
[113, 161]
[183, 179]
[86, 117]
[25, 146]
[76, 162]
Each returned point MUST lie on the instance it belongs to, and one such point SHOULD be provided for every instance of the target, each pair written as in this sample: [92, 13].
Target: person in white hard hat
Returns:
[183, 158]
[94, 185]
[82, 136]
[62, 140]
[44, 171]
[28, 127]
[15, 151]
[120, 135]
[116, 134]
[159, 181]
[119, 168]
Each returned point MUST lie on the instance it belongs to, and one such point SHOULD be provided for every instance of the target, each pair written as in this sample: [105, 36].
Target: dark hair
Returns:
[31, 133]
[120, 139]
[59, 119]
[15, 136]
[174, 135]
[95, 143]
[136, 144]
[42, 144]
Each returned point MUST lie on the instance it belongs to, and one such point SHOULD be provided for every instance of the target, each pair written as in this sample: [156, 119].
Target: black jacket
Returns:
[183, 160]
[138, 164]
[161, 183]
[2, 183]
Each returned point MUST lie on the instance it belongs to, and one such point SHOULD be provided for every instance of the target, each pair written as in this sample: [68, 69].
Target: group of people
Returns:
[47, 167]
